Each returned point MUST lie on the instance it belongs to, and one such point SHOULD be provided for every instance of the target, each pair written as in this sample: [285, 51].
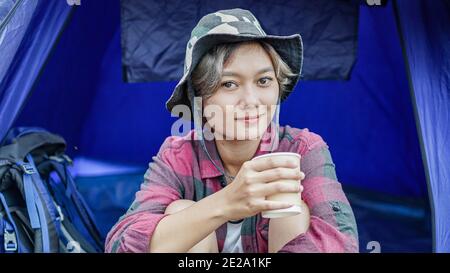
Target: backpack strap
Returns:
[10, 235]
[47, 212]
[24, 147]
[30, 193]
[41, 211]
[72, 193]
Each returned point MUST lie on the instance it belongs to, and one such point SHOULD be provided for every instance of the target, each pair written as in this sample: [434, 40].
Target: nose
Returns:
[250, 97]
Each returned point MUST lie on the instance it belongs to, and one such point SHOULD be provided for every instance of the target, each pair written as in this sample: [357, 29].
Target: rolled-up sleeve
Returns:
[332, 225]
[161, 186]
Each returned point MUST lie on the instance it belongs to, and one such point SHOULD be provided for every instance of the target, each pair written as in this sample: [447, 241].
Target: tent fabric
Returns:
[108, 188]
[152, 53]
[367, 120]
[5, 7]
[396, 224]
[15, 20]
[26, 37]
[427, 46]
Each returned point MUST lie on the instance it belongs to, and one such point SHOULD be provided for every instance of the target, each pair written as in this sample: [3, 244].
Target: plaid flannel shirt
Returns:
[181, 170]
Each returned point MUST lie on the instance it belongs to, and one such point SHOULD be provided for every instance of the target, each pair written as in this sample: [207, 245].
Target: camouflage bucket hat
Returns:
[227, 26]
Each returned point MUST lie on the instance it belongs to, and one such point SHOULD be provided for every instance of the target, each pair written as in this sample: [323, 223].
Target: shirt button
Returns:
[336, 208]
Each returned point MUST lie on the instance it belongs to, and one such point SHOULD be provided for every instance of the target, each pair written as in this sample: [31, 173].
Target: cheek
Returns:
[222, 102]
[214, 113]
[271, 96]
[270, 101]
[218, 100]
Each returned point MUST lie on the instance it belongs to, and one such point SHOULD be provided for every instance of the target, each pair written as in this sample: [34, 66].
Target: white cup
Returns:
[288, 197]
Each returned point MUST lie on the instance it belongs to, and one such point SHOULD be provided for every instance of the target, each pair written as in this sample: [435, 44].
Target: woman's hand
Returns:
[256, 179]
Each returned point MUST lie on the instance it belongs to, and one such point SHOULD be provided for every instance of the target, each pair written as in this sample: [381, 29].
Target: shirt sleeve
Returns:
[332, 223]
[161, 186]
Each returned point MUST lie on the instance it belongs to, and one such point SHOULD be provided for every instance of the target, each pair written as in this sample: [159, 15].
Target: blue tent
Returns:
[386, 120]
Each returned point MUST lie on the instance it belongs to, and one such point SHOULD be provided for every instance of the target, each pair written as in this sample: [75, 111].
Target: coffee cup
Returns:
[287, 197]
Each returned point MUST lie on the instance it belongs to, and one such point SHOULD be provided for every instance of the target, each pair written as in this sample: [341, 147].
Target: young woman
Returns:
[206, 194]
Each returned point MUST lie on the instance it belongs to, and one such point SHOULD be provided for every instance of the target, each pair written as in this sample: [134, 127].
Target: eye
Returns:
[265, 81]
[228, 84]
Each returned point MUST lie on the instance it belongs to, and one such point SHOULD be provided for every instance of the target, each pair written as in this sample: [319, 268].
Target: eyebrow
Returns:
[229, 73]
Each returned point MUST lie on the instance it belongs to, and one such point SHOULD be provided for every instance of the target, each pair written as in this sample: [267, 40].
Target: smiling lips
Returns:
[248, 119]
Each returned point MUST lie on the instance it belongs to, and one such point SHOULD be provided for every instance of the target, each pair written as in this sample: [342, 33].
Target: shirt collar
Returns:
[269, 143]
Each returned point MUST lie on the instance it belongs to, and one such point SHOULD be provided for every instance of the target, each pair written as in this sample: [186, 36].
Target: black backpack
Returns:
[41, 209]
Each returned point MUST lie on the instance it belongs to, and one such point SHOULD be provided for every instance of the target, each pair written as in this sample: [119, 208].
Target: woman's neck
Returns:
[235, 152]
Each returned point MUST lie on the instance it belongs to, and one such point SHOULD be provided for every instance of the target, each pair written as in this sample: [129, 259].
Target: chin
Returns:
[250, 133]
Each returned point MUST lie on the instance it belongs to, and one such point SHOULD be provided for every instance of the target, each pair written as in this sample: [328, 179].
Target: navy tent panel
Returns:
[155, 33]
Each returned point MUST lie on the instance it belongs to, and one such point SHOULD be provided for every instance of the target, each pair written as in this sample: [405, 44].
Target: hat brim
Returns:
[290, 49]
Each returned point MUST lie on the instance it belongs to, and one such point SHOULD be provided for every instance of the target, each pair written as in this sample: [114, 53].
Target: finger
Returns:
[301, 188]
[302, 174]
[276, 187]
[278, 174]
[271, 205]
[265, 163]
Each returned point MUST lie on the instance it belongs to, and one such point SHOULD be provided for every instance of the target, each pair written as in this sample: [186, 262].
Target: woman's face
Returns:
[245, 102]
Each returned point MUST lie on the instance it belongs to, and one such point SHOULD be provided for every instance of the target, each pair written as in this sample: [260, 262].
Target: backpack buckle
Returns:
[10, 240]
[27, 167]
[63, 158]
[4, 162]
[60, 217]
[67, 159]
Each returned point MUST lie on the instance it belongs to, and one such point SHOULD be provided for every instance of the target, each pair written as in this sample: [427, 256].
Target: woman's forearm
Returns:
[283, 230]
[179, 232]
